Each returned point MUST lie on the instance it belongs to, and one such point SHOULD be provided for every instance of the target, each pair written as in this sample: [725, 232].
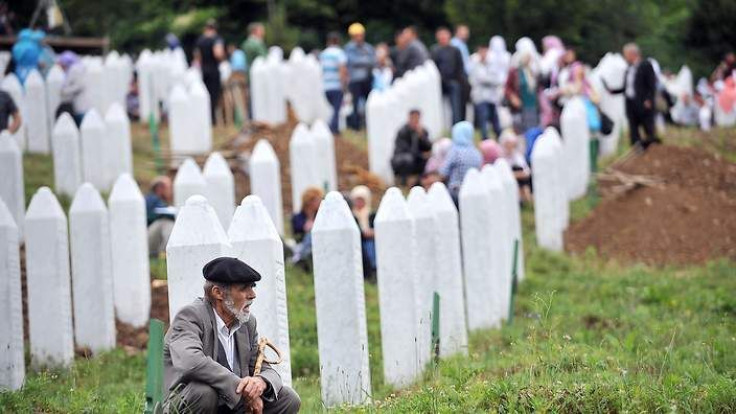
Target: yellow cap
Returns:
[356, 29]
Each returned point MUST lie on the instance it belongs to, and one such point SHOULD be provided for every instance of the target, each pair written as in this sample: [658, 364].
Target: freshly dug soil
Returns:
[688, 218]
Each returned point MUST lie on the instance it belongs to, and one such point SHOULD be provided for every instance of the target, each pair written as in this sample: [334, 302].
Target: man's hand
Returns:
[648, 104]
[251, 388]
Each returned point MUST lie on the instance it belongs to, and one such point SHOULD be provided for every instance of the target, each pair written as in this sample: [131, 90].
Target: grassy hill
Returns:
[589, 335]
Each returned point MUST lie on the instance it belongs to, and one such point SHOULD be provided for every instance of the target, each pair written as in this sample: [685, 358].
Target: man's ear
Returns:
[217, 293]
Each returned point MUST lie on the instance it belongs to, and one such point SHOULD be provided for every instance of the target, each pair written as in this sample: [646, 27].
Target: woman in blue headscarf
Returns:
[462, 156]
[26, 52]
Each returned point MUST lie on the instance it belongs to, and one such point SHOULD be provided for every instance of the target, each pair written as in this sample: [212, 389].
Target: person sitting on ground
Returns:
[360, 198]
[490, 150]
[411, 149]
[462, 157]
[431, 175]
[302, 222]
[159, 215]
[9, 109]
[513, 153]
[211, 348]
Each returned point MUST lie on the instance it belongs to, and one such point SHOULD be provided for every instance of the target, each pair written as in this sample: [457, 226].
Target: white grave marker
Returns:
[94, 143]
[197, 238]
[424, 234]
[305, 172]
[129, 241]
[255, 241]
[201, 117]
[36, 118]
[54, 83]
[548, 189]
[511, 188]
[12, 364]
[12, 190]
[398, 287]
[94, 314]
[119, 149]
[67, 156]
[325, 152]
[181, 133]
[189, 181]
[477, 239]
[340, 300]
[11, 85]
[220, 187]
[576, 142]
[265, 181]
[449, 271]
[47, 274]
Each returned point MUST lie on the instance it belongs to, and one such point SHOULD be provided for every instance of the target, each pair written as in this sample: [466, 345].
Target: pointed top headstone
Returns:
[504, 171]
[125, 188]
[7, 143]
[10, 83]
[393, 207]
[301, 134]
[178, 93]
[197, 224]
[189, 172]
[263, 151]
[92, 120]
[65, 124]
[216, 166]
[6, 218]
[418, 203]
[87, 198]
[334, 214]
[56, 73]
[440, 197]
[34, 79]
[44, 205]
[116, 113]
[251, 221]
[472, 183]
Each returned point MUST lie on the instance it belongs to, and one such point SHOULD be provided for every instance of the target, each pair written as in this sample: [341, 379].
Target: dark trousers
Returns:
[453, 90]
[486, 112]
[214, 87]
[360, 91]
[197, 397]
[407, 164]
[640, 117]
[335, 99]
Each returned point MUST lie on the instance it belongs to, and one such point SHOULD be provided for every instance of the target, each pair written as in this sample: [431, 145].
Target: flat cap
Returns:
[229, 270]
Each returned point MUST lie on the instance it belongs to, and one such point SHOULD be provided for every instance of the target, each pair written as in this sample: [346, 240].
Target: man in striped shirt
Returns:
[334, 76]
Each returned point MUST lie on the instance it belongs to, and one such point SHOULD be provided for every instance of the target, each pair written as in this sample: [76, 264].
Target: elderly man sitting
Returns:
[210, 350]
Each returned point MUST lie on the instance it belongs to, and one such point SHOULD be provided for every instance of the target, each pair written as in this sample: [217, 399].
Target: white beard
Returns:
[242, 315]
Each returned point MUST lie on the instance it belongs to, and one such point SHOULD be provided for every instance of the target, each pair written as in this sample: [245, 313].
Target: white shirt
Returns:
[227, 338]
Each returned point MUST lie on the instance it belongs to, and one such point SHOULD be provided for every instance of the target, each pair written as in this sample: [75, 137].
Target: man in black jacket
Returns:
[639, 87]
[411, 149]
[450, 64]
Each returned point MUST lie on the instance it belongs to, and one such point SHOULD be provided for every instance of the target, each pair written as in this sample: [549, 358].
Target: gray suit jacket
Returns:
[190, 354]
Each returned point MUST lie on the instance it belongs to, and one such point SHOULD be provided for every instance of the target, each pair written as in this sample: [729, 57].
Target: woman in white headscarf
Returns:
[499, 62]
[360, 198]
[522, 91]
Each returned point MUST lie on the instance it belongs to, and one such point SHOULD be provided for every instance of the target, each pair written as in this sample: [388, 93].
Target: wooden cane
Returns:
[261, 358]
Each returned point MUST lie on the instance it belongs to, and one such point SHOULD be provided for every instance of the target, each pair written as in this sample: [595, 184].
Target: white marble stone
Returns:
[256, 242]
[259, 90]
[94, 142]
[383, 120]
[54, 83]
[511, 188]
[201, 119]
[196, 239]
[576, 143]
[49, 286]
[325, 152]
[12, 364]
[181, 134]
[563, 204]
[340, 302]
[424, 234]
[95, 82]
[12, 86]
[449, 271]
[36, 118]
[146, 66]
[129, 242]
[89, 233]
[188, 181]
[220, 187]
[119, 150]
[475, 224]
[12, 190]
[500, 295]
[305, 172]
[398, 289]
[548, 189]
[265, 181]
[612, 69]
[67, 156]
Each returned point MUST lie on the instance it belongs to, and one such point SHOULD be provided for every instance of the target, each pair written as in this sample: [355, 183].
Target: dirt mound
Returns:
[682, 214]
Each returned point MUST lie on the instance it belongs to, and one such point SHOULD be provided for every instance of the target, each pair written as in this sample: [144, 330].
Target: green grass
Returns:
[589, 335]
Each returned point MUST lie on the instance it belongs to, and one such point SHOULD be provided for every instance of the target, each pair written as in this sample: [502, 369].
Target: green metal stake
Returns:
[436, 327]
[593, 187]
[155, 368]
[153, 128]
[514, 280]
